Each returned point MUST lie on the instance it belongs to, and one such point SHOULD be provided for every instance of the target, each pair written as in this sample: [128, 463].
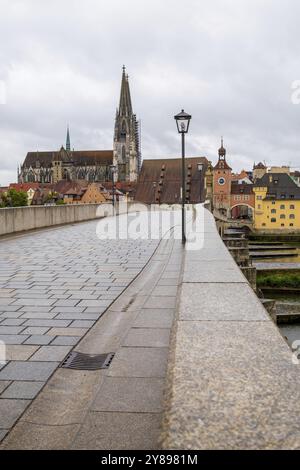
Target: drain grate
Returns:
[81, 361]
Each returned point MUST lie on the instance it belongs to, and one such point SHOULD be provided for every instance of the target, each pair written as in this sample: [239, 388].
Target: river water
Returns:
[290, 332]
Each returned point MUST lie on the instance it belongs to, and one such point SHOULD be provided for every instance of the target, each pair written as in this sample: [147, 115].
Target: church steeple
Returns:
[125, 106]
[68, 141]
[222, 163]
[126, 139]
[222, 150]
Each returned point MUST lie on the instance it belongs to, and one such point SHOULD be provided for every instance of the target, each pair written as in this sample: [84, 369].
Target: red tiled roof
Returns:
[160, 181]
[241, 188]
[222, 165]
[70, 187]
[123, 186]
[24, 186]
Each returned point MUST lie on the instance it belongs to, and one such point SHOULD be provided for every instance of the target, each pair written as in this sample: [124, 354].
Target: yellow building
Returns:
[277, 203]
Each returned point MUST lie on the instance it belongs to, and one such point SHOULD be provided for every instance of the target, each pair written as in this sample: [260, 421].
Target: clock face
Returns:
[221, 181]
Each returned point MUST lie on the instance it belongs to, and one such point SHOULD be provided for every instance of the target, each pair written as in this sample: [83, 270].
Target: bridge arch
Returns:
[242, 204]
[242, 210]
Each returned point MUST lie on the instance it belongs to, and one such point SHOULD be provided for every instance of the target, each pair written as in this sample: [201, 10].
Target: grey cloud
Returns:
[230, 63]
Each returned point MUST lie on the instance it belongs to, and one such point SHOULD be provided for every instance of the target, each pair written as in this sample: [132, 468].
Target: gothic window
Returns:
[81, 175]
[123, 131]
[123, 154]
[31, 178]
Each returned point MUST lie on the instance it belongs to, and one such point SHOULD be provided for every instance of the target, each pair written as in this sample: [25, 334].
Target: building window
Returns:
[273, 202]
[291, 225]
[282, 207]
[292, 196]
[273, 220]
[282, 225]
[282, 216]
[259, 198]
[292, 207]
[273, 211]
[259, 206]
[263, 224]
[292, 216]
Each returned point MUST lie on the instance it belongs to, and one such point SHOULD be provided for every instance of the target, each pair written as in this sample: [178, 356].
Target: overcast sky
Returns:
[230, 63]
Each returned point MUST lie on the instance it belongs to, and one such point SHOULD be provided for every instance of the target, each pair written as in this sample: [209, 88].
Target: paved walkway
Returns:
[54, 285]
[118, 408]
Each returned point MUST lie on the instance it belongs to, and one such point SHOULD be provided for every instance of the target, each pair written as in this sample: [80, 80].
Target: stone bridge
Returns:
[198, 363]
[224, 223]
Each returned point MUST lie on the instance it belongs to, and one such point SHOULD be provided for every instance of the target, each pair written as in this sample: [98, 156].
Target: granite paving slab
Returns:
[139, 362]
[49, 300]
[119, 431]
[3, 385]
[147, 337]
[32, 371]
[154, 318]
[51, 353]
[23, 390]
[213, 272]
[222, 302]
[19, 352]
[40, 340]
[10, 411]
[135, 395]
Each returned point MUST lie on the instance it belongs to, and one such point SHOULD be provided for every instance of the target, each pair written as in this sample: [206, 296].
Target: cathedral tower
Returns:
[126, 152]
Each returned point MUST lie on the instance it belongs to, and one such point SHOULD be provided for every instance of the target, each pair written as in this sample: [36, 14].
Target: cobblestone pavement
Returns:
[54, 285]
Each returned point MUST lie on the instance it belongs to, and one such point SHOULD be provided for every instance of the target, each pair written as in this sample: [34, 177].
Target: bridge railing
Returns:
[233, 382]
[20, 219]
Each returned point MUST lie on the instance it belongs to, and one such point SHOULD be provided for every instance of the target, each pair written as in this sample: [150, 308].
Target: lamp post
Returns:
[154, 191]
[200, 169]
[183, 123]
[113, 170]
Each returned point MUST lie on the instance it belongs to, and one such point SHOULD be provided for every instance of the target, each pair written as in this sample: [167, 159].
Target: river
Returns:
[284, 261]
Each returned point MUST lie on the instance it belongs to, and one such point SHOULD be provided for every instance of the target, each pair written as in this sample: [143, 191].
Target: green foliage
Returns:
[60, 202]
[279, 280]
[51, 196]
[14, 198]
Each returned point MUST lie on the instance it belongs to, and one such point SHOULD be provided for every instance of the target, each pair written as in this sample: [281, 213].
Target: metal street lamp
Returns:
[183, 123]
[113, 170]
[200, 169]
[154, 191]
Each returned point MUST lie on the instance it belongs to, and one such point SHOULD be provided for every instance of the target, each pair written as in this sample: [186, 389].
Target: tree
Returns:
[14, 198]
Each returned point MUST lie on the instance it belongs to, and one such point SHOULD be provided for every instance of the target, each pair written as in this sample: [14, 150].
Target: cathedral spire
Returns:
[68, 141]
[125, 107]
[126, 138]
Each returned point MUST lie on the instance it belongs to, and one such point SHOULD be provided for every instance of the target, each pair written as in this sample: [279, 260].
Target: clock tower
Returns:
[222, 183]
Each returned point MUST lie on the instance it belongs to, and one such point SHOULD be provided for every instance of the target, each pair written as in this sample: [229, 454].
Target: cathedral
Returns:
[92, 165]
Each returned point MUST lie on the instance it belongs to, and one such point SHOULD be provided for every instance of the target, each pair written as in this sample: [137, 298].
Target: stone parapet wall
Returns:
[232, 383]
[21, 219]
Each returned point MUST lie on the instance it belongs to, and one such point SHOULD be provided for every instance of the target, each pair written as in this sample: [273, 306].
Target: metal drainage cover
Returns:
[80, 361]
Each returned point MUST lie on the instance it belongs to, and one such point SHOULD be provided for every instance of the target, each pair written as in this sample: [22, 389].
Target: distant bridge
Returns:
[225, 222]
